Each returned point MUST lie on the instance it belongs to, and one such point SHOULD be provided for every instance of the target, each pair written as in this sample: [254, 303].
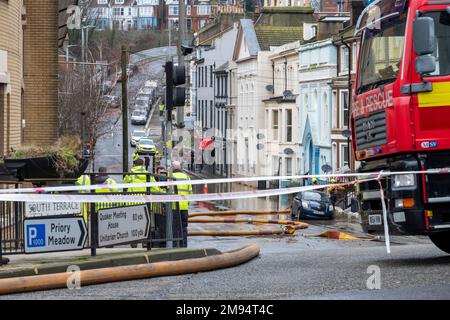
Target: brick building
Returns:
[40, 72]
[11, 75]
[31, 32]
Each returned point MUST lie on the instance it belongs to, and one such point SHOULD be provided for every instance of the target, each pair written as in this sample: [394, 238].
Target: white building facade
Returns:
[318, 66]
[282, 112]
[253, 75]
[209, 94]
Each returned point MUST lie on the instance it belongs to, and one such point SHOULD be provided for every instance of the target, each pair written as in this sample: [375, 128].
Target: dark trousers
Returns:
[184, 222]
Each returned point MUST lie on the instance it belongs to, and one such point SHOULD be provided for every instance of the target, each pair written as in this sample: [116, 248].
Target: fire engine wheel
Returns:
[441, 240]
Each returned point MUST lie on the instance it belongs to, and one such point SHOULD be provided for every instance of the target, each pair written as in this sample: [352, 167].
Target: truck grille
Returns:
[371, 130]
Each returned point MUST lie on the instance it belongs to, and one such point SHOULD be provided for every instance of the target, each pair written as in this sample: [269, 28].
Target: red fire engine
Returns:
[400, 117]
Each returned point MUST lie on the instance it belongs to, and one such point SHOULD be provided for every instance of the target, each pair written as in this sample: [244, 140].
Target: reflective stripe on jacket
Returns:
[84, 180]
[139, 175]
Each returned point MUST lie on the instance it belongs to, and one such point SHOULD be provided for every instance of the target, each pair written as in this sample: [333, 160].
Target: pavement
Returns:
[48, 263]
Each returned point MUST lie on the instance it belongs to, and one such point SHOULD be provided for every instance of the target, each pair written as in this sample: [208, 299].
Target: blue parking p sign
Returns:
[35, 235]
[62, 233]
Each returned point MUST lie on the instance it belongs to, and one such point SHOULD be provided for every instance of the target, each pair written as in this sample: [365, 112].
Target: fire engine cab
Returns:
[400, 117]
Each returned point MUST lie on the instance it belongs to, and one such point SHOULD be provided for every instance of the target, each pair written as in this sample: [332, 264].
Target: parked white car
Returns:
[136, 136]
[138, 117]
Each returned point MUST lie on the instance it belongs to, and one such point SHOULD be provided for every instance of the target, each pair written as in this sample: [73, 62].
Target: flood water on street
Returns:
[263, 204]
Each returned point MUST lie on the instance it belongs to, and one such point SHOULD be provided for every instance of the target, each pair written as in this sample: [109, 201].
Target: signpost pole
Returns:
[94, 230]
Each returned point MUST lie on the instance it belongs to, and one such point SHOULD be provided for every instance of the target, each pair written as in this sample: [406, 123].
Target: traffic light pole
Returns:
[124, 110]
[181, 29]
[167, 147]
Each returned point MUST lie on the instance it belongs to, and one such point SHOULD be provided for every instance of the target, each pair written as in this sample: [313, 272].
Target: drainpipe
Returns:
[273, 77]
[285, 73]
[349, 84]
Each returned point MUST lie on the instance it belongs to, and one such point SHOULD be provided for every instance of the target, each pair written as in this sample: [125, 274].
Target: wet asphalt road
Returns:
[293, 268]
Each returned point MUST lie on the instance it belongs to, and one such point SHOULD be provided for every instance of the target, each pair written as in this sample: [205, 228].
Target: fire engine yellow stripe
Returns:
[439, 97]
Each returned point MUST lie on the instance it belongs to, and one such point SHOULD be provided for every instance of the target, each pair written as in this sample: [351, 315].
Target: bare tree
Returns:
[82, 108]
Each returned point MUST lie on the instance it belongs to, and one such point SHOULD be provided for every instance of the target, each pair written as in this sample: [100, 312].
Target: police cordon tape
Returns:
[218, 181]
[161, 198]
[24, 193]
[82, 198]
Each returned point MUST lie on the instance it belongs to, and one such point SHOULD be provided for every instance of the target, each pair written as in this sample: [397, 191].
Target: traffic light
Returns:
[175, 92]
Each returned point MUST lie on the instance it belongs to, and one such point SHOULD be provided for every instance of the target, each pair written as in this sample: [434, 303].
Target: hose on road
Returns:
[238, 212]
[289, 227]
[285, 230]
[249, 220]
[106, 275]
[338, 235]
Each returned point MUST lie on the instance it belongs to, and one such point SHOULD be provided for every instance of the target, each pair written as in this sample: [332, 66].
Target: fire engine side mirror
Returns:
[425, 64]
[424, 36]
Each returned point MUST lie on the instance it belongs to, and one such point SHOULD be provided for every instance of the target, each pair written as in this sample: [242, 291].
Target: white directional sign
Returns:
[40, 209]
[56, 234]
[123, 225]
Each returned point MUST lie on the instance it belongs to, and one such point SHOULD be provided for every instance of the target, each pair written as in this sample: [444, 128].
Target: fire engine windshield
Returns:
[381, 54]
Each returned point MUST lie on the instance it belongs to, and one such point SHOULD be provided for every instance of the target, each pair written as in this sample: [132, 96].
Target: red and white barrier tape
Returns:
[214, 181]
[160, 198]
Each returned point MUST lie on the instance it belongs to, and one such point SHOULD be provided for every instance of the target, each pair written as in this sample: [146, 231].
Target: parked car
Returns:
[145, 110]
[138, 117]
[136, 136]
[146, 146]
[147, 91]
[112, 101]
[312, 205]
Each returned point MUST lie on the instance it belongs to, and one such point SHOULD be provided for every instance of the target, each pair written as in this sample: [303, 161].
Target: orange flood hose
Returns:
[238, 212]
[302, 225]
[141, 271]
[289, 227]
[289, 230]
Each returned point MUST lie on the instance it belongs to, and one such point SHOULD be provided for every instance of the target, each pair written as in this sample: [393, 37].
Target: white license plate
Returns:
[375, 220]
[320, 213]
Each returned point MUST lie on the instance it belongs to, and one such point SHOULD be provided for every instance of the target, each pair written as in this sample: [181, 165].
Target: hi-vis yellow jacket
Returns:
[182, 189]
[84, 180]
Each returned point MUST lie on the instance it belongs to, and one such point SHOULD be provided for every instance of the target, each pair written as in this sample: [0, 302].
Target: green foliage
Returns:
[66, 153]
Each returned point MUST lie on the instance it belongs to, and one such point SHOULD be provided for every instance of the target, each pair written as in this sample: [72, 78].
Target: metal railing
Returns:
[12, 215]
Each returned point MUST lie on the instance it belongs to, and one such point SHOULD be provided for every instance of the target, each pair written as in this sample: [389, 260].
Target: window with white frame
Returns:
[344, 59]
[119, 1]
[203, 10]
[173, 10]
[334, 108]
[188, 10]
[288, 166]
[289, 125]
[355, 49]
[118, 11]
[146, 11]
[326, 117]
[275, 164]
[275, 124]
[344, 114]
[344, 155]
